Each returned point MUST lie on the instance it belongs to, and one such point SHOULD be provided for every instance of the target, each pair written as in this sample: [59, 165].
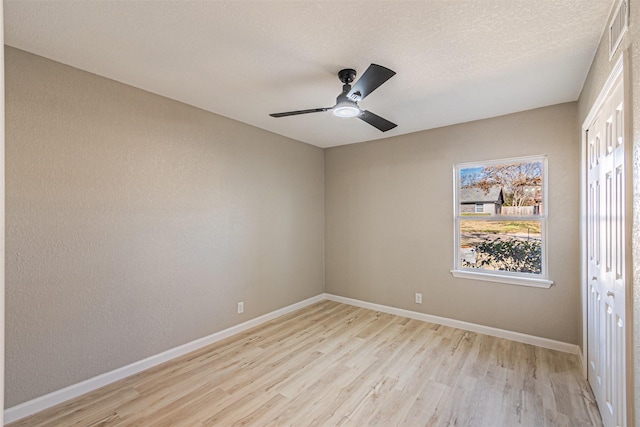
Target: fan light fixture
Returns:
[346, 109]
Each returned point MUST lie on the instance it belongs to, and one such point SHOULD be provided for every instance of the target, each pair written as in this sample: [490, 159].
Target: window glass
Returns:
[501, 245]
[501, 217]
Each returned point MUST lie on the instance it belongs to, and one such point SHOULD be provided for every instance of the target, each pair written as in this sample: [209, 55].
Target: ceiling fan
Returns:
[347, 101]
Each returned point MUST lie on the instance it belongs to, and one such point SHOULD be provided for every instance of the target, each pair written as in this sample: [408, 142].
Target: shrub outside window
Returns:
[500, 221]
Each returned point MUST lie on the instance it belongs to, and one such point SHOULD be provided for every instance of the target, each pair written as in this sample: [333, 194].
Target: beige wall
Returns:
[136, 223]
[389, 222]
[600, 70]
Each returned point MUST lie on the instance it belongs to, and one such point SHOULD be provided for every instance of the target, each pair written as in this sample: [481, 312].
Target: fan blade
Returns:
[376, 121]
[371, 80]
[295, 113]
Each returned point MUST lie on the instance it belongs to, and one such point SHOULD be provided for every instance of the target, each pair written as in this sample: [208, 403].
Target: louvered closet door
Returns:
[606, 259]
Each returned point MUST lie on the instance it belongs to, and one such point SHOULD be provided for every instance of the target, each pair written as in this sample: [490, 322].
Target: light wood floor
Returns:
[332, 364]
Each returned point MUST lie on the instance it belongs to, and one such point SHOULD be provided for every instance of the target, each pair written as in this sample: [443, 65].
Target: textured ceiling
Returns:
[456, 60]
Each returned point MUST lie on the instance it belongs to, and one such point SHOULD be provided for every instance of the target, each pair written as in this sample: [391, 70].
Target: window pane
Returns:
[513, 189]
[501, 245]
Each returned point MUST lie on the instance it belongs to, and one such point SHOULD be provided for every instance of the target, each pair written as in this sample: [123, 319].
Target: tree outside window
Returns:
[501, 217]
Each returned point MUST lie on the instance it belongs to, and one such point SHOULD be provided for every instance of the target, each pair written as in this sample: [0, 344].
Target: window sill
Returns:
[512, 280]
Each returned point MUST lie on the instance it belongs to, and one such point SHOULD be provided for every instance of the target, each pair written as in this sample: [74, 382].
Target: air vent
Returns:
[618, 26]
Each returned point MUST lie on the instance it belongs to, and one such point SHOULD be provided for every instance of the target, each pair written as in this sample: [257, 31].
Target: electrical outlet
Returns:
[418, 298]
[240, 307]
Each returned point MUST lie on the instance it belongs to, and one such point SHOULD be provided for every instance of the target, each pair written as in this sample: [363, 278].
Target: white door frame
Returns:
[1, 215]
[618, 70]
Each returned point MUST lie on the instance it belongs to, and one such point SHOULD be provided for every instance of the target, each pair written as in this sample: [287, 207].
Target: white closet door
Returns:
[606, 257]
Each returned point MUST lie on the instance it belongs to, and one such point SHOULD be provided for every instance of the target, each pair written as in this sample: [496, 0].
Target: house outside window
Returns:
[500, 221]
[489, 201]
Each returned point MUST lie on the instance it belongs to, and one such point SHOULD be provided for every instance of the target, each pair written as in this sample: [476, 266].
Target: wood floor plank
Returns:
[332, 364]
[308, 407]
[426, 405]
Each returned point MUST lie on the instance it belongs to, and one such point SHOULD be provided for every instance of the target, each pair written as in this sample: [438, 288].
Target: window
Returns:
[501, 220]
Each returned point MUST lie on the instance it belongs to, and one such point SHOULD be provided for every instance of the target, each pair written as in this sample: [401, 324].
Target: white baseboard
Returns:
[48, 400]
[472, 327]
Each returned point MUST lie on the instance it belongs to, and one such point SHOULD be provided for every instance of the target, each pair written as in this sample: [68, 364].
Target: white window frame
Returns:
[524, 279]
